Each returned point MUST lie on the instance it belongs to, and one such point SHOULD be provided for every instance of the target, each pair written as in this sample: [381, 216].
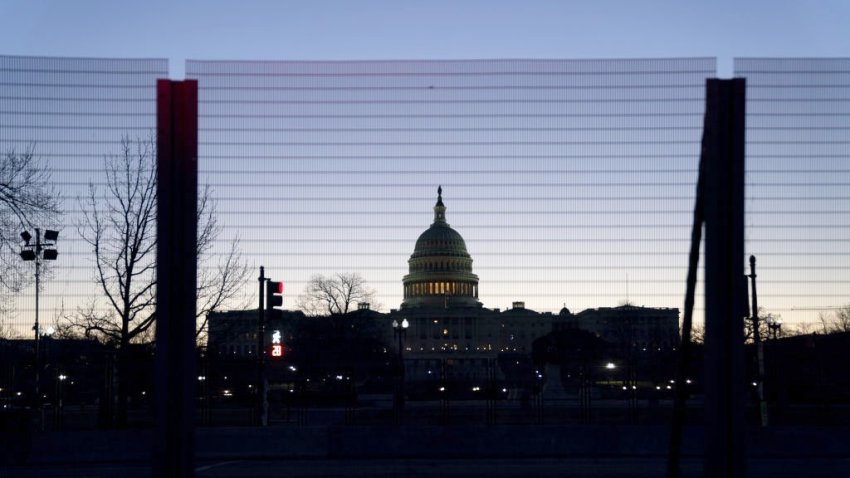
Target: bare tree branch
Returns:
[121, 232]
[27, 200]
[335, 294]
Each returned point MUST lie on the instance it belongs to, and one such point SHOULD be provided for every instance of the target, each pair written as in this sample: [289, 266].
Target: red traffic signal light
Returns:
[277, 351]
[273, 294]
[277, 287]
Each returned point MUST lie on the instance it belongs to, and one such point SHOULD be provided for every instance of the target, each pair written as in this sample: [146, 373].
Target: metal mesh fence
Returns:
[798, 209]
[71, 113]
[570, 181]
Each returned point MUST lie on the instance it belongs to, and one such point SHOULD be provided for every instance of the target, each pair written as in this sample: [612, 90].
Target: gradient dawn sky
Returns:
[557, 209]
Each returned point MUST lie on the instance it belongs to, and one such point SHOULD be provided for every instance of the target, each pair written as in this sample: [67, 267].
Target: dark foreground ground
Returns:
[433, 451]
[467, 468]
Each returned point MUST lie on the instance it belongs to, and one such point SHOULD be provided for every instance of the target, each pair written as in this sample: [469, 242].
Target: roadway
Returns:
[620, 467]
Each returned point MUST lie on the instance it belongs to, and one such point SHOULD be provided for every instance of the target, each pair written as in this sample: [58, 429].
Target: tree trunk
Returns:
[122, 376]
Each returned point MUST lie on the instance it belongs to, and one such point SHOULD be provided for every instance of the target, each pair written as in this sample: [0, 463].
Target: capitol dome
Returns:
[440, 267]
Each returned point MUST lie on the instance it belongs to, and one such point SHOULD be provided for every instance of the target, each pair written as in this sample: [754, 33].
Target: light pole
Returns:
[775, 325]
[57, 408]
[400, 330]
[759, 346]
[38, 252]
[610, 367]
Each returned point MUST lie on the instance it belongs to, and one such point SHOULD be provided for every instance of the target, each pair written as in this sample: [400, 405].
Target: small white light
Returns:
[610, 366]
[688, 381]
[442, 389]
[50, 330]
[669, 387]
[625, 387]
[658, 387]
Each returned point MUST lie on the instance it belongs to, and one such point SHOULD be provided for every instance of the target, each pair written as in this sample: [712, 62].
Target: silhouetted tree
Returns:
[837, 321]
[336, 294]
[27, 200]
[698, 333]
[764, 330]
[121, 231]
[803, 328]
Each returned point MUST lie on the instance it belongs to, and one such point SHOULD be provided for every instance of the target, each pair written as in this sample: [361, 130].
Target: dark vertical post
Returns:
[176, 271]
[37, 401]
[725, 286]
[758, 343]
[261, 352]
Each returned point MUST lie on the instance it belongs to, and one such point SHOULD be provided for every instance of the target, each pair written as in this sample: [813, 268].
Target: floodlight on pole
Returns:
[37, 252]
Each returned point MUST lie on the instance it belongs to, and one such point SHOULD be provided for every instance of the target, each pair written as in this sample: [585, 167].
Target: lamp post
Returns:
[38, 252]
[57, 408]
[400, 330]
[610, 367]
[774, 324]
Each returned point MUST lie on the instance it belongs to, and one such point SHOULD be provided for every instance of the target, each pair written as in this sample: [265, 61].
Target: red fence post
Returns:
[176, 270]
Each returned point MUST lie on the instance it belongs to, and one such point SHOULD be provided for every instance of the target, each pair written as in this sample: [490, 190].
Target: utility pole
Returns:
[759, 346]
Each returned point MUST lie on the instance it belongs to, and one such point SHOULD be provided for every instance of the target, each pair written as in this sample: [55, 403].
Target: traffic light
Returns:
[274, 291]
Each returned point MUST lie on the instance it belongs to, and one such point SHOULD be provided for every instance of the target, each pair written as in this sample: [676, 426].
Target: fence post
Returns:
[176, 271]
[725, 286]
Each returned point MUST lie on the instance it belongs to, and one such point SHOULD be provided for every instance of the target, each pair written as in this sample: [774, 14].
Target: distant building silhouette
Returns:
[451, 336]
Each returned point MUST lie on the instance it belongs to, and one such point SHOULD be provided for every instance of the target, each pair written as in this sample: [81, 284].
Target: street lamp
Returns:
[400, 331]
[38, 252]
[774, 324]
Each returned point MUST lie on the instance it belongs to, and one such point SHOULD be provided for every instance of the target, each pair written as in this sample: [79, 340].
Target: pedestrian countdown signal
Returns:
[277, 347]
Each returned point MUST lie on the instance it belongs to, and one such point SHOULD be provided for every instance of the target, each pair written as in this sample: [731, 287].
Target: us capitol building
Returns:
[450, 332]
[450, 329]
